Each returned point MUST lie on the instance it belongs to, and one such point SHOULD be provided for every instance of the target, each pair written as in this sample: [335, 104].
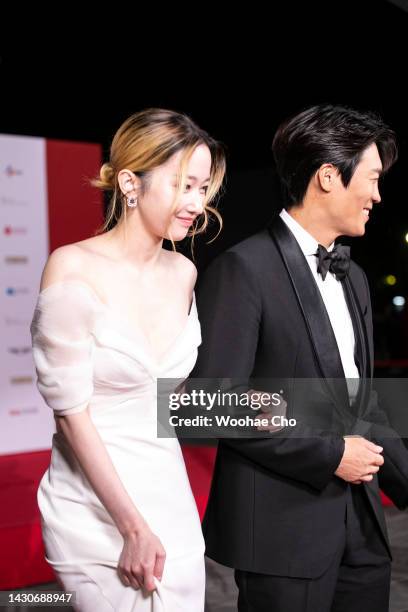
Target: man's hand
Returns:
[361, 459]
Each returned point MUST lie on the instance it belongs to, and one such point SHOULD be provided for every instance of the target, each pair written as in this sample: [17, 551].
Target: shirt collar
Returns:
[307, 243]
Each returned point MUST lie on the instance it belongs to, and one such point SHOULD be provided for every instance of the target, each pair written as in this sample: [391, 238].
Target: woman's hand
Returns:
[142, 559]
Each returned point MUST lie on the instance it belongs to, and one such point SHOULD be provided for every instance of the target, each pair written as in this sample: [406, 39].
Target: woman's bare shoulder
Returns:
[70, 261]
[184, 267]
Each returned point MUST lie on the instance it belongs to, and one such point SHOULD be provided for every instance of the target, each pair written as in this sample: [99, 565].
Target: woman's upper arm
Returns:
[61, 332]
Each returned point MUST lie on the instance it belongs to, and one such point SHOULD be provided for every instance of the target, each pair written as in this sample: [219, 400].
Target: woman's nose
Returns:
[196, 203]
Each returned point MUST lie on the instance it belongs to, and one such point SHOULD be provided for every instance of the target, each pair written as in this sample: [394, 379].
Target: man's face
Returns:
[349, 207]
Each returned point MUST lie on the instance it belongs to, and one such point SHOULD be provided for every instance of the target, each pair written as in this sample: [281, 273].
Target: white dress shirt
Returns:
[333, 297]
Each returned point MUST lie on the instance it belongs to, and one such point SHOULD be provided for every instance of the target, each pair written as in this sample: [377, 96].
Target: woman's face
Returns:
[155, 205]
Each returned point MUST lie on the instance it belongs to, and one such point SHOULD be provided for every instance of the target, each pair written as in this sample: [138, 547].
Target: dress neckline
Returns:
[126, 326]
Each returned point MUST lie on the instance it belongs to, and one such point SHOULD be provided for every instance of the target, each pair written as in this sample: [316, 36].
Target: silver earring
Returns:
[132, 202]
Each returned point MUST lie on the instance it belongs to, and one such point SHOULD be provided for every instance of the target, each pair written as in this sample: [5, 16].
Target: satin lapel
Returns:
[362, 350]
[314, 312]
[362, 401]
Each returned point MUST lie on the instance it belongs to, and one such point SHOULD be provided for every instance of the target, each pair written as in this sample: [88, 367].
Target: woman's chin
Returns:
[177, 235]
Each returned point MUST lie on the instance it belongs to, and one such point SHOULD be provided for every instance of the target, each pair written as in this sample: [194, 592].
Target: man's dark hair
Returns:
[327, 134]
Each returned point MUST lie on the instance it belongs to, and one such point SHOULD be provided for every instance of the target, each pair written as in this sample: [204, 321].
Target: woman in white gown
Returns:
[115, 312]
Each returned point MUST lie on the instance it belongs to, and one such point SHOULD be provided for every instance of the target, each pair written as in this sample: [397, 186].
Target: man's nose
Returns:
[376, 195]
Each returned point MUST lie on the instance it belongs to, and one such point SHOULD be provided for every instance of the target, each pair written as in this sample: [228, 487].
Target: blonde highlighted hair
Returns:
[147, 140]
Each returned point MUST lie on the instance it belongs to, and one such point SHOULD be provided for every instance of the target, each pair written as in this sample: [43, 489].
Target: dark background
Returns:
[238, 72]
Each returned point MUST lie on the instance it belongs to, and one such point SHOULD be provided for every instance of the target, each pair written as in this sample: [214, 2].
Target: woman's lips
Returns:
[186, 221]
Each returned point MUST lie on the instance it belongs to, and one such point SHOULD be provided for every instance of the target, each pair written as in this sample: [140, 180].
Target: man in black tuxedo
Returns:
[298, 513]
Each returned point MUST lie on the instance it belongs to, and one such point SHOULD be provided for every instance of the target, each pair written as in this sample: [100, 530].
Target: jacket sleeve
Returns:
[230, 311]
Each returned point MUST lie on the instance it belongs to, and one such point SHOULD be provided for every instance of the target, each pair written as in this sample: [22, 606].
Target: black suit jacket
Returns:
[275, 505]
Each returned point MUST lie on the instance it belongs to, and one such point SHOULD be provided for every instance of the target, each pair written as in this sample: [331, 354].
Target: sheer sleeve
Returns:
[62, 345]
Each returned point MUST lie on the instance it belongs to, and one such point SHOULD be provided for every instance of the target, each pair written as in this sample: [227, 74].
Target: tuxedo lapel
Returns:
[323, 341]
[364, 392]
[362, 348]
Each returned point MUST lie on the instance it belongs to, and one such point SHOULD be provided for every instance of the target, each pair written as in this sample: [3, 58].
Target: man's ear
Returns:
[129, 183]
[327, 176]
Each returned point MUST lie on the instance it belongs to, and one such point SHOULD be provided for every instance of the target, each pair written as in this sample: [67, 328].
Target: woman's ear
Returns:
[129, 183]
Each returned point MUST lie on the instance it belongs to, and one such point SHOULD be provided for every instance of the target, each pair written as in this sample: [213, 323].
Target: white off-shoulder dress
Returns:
[86, 356]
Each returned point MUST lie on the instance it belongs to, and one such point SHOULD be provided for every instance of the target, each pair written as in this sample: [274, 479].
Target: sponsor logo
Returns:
[17, 290]
[21, 411]
[11, 171]
[8, 230]
[8, 201]
[16, 321]
[21, 380]
[19, 350]
[16, 259]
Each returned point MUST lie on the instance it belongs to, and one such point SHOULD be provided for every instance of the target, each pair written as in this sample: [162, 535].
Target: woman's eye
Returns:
[202, 189]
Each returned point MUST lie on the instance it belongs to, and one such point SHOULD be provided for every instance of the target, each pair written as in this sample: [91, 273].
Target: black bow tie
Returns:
[337, 261]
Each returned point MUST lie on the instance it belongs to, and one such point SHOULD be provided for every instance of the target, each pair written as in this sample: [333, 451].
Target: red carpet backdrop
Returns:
[45, 201]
